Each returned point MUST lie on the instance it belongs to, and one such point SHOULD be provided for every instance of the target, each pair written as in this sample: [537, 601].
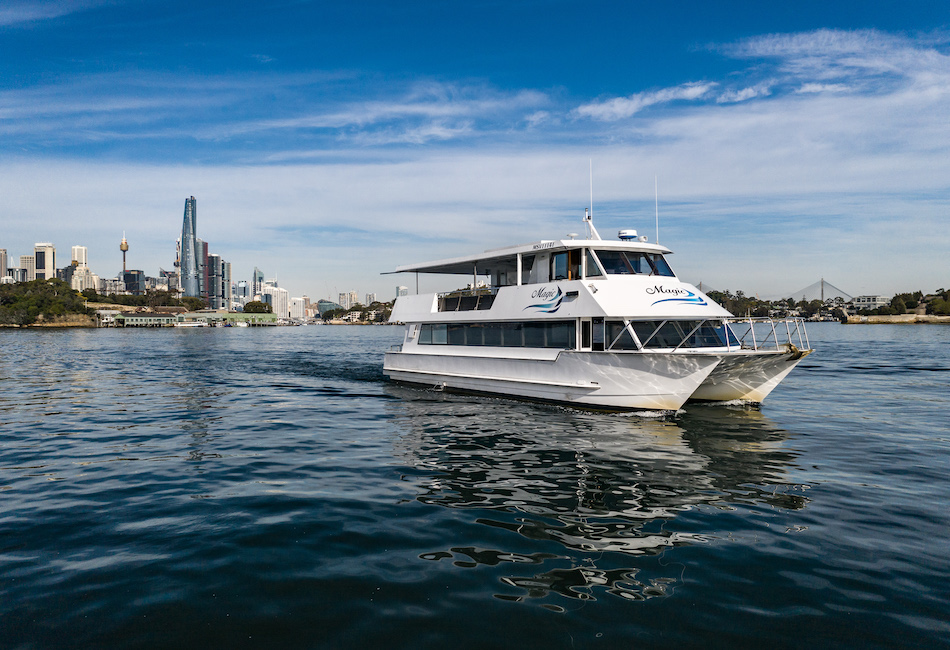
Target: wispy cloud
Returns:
[733, 96]
[620, 108]
[14, 12]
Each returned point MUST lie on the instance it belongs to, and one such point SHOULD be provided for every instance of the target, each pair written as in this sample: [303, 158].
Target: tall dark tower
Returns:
[124, 247]
[189, 250]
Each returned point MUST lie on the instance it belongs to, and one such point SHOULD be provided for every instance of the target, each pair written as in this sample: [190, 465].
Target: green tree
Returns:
[257, 307]
[193, 304]
[23, 303]
[332, 314]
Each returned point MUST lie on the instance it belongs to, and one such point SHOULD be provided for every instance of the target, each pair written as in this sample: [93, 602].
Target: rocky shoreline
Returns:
[898, 319]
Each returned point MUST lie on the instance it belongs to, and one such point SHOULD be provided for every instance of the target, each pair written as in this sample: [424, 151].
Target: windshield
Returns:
[633, 263]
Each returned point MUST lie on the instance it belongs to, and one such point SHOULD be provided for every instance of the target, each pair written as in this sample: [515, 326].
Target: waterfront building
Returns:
[871, 302]
[109, 286]
[204, 272]
[78, 274]
[188, 256]
[156, 284]
[298, 308]
[83, 278]
[218, 274]
[323, 306]
[28, 264]
[277, 298]
[134, 282]
[348, 299]
[44, 255]
[171, 281]
[242, 292]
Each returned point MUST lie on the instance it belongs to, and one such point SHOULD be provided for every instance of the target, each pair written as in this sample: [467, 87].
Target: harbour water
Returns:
[269, 488]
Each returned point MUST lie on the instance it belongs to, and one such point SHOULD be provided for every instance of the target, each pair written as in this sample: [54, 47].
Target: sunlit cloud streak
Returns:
[16, 12]
[623, 107]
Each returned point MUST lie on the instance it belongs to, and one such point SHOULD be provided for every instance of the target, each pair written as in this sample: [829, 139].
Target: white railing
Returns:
[467, 299]
[769, 333]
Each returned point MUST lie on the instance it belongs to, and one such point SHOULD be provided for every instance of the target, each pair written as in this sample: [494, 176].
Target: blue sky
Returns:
[329, 142]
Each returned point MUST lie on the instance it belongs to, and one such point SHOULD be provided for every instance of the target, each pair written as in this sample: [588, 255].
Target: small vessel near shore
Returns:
[587, 322]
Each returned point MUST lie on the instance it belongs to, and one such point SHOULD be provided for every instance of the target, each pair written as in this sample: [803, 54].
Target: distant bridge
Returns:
[821, 290]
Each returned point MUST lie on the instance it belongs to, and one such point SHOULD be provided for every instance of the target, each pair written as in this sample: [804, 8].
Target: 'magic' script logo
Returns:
[550, 298]
[680, 295]
[676, 291]
[545, 293]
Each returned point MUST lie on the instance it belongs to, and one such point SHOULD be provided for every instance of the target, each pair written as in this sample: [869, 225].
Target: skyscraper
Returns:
[44, 255]
[80, 254]
[189, 250]
[3, 262]
[28, 264]
[257, 282]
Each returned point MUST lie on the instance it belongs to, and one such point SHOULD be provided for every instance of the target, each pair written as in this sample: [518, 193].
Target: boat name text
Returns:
[545, 293]
[543, 245]
[661, 289]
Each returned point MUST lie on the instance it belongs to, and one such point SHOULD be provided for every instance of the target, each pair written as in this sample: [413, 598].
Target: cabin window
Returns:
[597, 334]
[533, 334]
[566, 265]
[671, 333]
[660, 265]
[633, 263]
[527, 263]
[433, 334]
[592, 270]
[619, 336]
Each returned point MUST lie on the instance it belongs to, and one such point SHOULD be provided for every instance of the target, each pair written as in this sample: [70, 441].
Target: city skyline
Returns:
[329, 144]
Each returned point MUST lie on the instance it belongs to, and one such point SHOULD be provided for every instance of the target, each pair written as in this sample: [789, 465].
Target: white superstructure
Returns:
[590, 322]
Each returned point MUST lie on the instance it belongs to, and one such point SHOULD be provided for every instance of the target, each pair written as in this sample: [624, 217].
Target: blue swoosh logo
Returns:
[692, 299]
[549, 307]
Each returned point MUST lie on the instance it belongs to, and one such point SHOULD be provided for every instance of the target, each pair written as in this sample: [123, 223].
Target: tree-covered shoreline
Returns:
[24, 303]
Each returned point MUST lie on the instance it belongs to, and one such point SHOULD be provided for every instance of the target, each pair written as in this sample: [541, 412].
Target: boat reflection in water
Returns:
[588, 493]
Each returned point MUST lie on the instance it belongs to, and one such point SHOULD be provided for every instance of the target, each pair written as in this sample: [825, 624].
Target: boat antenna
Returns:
[592, 233]
[656, 207]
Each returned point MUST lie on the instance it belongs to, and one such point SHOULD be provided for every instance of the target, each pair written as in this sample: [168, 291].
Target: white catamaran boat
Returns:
[588, 322]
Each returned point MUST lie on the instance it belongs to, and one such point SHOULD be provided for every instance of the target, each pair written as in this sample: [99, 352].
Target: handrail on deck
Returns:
[467, 299]
[794, 329]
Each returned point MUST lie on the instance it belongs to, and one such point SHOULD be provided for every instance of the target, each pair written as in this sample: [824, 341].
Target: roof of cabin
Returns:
[482, 261]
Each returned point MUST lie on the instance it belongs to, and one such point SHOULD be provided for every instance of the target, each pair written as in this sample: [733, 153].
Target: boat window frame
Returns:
[457, 334]
[658, 269]
[588, 257]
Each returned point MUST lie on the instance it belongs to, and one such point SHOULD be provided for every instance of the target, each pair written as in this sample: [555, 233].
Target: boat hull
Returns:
[747, 376]
[606, 380]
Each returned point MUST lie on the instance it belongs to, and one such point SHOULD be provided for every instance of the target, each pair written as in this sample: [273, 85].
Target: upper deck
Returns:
[626, 277]
[553, 260]
[507, 258]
